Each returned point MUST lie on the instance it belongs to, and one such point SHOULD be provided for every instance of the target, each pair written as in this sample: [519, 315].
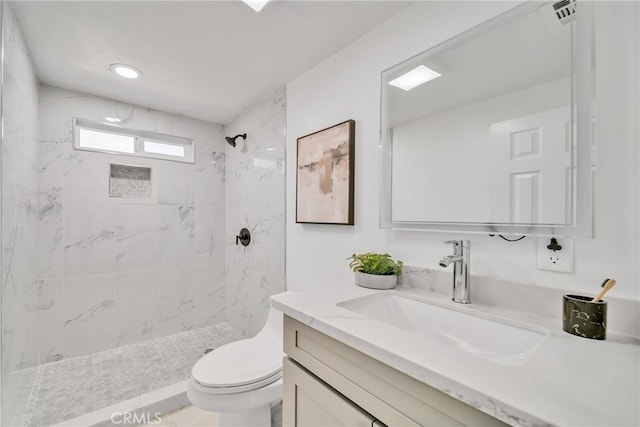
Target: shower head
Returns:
[232, 141]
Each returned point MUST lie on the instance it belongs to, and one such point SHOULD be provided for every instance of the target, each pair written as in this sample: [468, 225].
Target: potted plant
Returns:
[375, 271]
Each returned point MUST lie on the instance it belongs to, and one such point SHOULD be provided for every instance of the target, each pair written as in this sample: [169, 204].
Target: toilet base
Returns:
[257, 417]
[249, 408]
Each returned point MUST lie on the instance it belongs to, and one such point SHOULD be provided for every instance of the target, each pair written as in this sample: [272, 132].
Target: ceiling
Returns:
[203, 59]
[531, 50]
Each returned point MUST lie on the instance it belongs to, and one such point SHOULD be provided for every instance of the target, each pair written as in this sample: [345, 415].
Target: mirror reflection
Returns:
[484, 133]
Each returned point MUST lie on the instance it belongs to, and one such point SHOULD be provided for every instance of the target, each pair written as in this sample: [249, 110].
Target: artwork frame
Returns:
[325, 167]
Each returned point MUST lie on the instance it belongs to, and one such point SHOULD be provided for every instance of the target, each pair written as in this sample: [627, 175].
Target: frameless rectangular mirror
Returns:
[491, 131]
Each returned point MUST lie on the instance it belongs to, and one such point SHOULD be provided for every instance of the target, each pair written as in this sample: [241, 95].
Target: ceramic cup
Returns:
[584, 318]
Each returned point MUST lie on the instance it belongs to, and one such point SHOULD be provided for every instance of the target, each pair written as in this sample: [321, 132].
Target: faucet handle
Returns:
[463, 243]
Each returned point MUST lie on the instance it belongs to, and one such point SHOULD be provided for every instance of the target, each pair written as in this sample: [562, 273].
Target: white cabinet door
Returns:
[309, 402]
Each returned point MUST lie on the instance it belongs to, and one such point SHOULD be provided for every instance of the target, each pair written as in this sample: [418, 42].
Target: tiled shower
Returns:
[96, 282]
[150, 266]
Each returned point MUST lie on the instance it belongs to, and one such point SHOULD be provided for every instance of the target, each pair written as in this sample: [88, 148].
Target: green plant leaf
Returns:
[373, 263]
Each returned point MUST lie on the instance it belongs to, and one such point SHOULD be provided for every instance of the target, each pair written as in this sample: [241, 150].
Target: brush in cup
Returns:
[585, 316]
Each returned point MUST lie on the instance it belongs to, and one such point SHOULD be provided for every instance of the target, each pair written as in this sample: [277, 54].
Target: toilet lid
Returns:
[238, 363]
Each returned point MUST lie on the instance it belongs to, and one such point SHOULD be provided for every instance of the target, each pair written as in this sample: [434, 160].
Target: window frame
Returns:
[139, 137]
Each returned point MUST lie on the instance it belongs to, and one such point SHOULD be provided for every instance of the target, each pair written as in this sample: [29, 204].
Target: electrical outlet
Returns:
[560, 259]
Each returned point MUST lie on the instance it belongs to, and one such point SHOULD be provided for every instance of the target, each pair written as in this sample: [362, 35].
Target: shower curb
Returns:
[161, 401]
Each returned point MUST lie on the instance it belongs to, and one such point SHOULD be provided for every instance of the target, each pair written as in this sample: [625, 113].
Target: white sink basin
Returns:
[501, 341]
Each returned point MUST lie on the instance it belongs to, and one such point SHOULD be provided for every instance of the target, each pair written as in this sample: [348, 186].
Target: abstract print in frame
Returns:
[325, 168]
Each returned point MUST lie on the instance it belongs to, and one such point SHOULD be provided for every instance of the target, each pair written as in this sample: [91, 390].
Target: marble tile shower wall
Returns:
[115, 271]
[19, 218]
[255, 200]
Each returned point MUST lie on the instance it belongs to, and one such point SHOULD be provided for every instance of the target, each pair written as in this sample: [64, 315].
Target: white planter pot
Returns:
[374, 281]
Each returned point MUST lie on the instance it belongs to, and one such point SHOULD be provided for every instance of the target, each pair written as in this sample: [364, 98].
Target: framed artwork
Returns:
[324, 180]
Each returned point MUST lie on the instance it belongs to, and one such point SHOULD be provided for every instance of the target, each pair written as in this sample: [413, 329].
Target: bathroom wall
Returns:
[115, 271]
[19, 219]
[347, 86]
[254, 180]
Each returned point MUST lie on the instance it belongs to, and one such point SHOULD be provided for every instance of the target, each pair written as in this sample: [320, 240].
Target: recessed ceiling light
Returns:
[126, 71]
[256, 5]
[270, 149]
[112, 119]
[414, 78]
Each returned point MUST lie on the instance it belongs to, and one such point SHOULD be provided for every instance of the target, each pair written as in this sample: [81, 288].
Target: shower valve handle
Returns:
[244, 237]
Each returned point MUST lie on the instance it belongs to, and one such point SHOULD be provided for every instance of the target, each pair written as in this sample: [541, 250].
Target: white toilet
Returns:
[243, 379]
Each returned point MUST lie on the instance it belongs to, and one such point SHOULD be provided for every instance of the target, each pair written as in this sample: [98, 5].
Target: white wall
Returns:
[254, 182]
[347, 86]
[115, 271]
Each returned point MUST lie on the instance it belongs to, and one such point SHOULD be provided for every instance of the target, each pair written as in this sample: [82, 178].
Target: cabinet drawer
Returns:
[309, 402]
[389, 395]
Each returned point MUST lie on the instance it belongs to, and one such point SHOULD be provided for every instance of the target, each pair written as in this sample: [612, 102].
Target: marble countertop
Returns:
[567, 381]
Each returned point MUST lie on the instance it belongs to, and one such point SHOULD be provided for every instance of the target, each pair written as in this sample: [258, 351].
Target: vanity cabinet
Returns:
[329, 383]
[317, 404]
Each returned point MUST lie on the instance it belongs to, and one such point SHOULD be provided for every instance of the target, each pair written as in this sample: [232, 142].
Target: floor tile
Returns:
[72, 387]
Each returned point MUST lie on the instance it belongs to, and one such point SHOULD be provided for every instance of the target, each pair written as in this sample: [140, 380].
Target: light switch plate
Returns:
[559, 260]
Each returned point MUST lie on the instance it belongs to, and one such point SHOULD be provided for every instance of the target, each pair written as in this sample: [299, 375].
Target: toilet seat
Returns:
[237, 389]
[238, 367]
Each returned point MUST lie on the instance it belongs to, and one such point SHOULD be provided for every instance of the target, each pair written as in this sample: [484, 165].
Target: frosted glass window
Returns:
[106, 141]
[114, 139]
[163, 148]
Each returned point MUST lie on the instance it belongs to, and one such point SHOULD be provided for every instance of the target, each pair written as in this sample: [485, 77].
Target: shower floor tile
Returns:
[73, 387]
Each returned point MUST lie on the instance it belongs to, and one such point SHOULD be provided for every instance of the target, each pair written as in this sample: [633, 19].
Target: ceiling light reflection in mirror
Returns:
[415, 78]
